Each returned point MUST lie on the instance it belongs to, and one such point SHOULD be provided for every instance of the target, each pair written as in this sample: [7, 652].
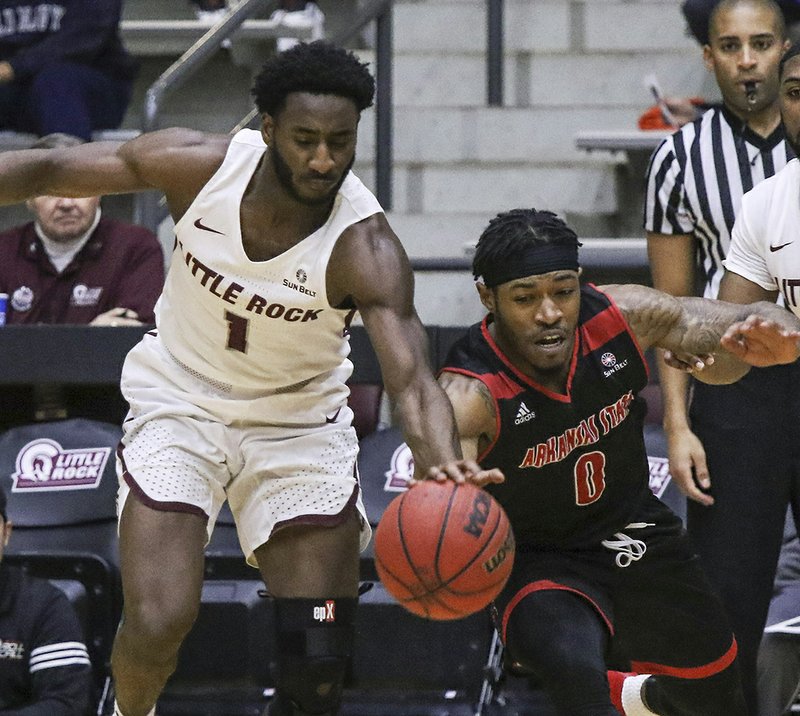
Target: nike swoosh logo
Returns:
[200, 225]
[333, 419]
[779, 246]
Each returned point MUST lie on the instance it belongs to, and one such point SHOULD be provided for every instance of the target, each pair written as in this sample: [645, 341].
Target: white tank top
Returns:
[258, 329]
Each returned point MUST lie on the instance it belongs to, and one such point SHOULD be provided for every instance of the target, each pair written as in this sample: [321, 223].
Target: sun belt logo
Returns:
[609, 360]
[326, 612]
[43, 465]
[524, 414]
[401, 469]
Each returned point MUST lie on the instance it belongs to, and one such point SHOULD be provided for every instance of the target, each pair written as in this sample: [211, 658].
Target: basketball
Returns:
[444, 550]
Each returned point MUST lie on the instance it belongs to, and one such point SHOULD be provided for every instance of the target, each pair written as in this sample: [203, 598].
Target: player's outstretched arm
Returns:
[370, 267]
[476, 421]
[177, 161]
[692, 329]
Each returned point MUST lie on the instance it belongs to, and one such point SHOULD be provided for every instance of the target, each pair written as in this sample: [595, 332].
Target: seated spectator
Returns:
[44, 664]
[291, 13]
[73, 265]
[63, 67]
[210, 11]
[299, 14]
[779, 653]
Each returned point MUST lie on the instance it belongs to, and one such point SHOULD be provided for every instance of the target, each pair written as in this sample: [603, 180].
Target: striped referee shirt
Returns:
[696, 180]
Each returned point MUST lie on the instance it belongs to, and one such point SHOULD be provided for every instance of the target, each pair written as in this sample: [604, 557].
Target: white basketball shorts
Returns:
[183, 449]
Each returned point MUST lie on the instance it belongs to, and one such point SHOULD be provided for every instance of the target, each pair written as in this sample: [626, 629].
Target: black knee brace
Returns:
[314, 643]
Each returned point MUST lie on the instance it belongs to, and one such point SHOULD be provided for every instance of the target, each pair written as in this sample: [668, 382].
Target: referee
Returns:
[732, 454]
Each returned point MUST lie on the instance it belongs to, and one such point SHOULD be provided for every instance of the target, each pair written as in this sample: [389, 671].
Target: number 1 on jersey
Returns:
[237, 332]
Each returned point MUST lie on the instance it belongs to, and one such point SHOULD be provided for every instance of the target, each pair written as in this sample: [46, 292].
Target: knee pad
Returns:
[314, 643]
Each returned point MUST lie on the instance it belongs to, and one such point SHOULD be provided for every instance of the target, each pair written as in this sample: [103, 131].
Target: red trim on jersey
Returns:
[546, 585]
[689, 672]
[500, 387]
[608, 324]
[527, 380]
[145, 499]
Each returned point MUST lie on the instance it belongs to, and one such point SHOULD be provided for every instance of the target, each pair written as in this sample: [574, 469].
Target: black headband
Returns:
[533, 259]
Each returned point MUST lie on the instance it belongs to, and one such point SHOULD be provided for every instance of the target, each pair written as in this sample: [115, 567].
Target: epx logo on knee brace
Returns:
[326, 613]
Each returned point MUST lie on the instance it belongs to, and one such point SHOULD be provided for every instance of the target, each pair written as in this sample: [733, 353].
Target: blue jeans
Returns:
[64, 97]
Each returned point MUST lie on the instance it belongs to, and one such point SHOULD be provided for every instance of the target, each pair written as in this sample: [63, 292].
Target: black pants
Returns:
[566, 614]
[751, 434]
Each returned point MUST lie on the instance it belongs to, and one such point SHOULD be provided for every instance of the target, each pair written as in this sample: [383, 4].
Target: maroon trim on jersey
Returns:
[689, 672]
[145, 499]
[501, 387]
[606, 325]
[527, 380]
[322, 520]
[548, 585]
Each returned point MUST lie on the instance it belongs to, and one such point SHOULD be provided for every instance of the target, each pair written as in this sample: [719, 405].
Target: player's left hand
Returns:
[687, 362]
[761, 342]
[462, 471]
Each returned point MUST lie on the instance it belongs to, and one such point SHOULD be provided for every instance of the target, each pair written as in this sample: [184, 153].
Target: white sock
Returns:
[117, 711]
[632, 702]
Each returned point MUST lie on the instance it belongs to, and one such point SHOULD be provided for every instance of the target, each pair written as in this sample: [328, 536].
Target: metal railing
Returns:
[494, 52]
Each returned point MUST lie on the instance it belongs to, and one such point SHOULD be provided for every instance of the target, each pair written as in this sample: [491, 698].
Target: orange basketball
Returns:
[444, 550]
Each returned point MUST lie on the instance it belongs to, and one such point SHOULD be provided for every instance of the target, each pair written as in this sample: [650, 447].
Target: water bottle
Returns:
[3, 308]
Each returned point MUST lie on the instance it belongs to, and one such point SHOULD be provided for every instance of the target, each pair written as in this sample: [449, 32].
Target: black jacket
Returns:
[34, 33]
[44, 666]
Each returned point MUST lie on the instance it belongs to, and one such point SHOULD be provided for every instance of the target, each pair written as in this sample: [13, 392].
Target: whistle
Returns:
[750, 92]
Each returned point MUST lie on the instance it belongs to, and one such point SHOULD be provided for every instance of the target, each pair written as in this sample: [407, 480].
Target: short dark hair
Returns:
[725, 4]
[793, 51]
[56, 140]
[510, 232]
[317, 67]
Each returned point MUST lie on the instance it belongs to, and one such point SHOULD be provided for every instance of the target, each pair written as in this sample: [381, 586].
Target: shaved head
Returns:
[725, 5]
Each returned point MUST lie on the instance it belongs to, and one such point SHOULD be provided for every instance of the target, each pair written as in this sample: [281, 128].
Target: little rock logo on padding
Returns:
[43, 466]
[401, 469]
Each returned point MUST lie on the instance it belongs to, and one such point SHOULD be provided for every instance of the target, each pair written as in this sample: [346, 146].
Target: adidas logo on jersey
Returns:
[524, 414]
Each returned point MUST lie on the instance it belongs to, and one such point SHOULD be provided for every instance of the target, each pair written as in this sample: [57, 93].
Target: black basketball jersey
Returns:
[575, 464]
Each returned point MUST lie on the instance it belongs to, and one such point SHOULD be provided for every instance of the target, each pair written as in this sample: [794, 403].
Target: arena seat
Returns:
[365, 402]
[61, 483]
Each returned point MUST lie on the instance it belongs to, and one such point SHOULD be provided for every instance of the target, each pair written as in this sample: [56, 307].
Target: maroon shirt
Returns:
[121, 265]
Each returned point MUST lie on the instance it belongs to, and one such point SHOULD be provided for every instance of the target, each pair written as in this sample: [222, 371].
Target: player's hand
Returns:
[117, 317]
[462, 471]
[687, 464]
[688, 362]
[761, 342]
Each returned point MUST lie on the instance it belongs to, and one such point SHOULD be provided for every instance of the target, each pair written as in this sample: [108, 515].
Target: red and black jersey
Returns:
[575, 464]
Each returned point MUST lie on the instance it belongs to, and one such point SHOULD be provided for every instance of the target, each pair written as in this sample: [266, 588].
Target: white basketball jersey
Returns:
[764, 246]
[258, 329]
